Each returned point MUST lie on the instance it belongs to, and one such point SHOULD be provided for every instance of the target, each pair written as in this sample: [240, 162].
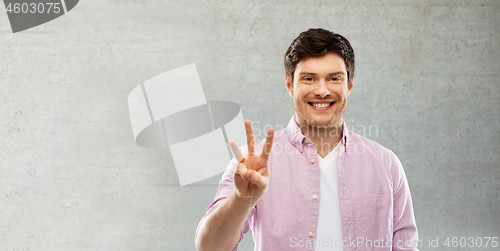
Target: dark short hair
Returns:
[316, 43]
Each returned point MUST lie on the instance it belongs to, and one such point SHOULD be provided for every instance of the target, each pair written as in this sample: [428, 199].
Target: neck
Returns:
[324, 138]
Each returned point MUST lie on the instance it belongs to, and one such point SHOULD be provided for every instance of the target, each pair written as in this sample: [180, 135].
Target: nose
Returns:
[321, 89]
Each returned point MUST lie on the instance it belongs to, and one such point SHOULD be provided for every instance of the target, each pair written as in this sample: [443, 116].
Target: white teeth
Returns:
[321, 105]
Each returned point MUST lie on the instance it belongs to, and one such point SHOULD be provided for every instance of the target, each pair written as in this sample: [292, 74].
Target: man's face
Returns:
[320, 91]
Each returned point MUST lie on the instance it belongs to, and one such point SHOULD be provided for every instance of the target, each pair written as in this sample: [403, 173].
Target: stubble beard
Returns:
[308, 125]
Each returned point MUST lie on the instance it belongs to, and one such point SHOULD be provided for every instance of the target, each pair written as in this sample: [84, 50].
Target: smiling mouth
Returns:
[321, 105]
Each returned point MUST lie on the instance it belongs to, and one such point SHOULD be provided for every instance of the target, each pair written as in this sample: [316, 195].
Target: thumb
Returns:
[241, 170]
[257, 179]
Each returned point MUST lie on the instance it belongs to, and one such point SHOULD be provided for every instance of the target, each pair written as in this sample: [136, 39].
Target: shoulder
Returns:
[367, 146]
[375, 152]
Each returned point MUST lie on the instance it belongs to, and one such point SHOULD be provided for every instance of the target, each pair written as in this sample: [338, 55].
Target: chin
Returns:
[322, 122]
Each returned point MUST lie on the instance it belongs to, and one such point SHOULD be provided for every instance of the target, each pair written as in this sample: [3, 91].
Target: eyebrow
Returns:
[314, 74]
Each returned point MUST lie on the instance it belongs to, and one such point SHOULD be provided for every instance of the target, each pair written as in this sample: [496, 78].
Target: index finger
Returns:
[269, 144]
[250, 137]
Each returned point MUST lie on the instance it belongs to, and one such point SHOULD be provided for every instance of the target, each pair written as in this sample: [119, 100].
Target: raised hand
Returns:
[251, 176]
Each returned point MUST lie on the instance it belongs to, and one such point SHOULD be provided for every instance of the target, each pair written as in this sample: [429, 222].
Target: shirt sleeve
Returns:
[405, 235]
[226, 186]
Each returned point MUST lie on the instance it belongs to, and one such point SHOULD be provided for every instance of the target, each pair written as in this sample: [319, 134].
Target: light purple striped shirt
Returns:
[375, 202]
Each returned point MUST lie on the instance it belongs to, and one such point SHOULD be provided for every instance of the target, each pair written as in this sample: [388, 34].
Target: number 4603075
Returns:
[33, 8]
[471, 242]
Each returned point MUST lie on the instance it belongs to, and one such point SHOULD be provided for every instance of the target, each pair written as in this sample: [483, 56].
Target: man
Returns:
[330, 189]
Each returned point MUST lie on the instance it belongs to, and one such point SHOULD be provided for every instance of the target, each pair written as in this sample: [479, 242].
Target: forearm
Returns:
[220, 229]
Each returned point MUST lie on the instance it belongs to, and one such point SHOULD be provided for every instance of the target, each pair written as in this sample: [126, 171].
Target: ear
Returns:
[350, 88]
[289, 86]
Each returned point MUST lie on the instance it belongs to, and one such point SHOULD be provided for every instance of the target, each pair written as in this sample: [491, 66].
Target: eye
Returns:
[308, 80]
[335, 79]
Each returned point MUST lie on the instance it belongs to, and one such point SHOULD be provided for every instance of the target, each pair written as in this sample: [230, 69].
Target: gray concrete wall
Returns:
[72, 177]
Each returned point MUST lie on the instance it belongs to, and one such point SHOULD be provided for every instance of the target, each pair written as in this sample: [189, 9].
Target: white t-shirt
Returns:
[329, 235]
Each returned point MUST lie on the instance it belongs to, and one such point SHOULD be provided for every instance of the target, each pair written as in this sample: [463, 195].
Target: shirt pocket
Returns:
[373, 217]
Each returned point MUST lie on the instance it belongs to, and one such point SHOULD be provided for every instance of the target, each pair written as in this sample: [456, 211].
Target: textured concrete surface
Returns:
[72, 177]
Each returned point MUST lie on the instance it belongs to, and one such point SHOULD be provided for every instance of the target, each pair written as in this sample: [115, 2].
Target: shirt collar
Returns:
[296, 137]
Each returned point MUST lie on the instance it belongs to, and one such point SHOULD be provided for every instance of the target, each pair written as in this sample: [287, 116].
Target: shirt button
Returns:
[307, 141]
[313, 160]
[299, 146]
[311, 234]
[315, 196]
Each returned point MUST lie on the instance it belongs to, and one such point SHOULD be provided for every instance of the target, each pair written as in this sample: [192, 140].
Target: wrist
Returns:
[243, 203]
